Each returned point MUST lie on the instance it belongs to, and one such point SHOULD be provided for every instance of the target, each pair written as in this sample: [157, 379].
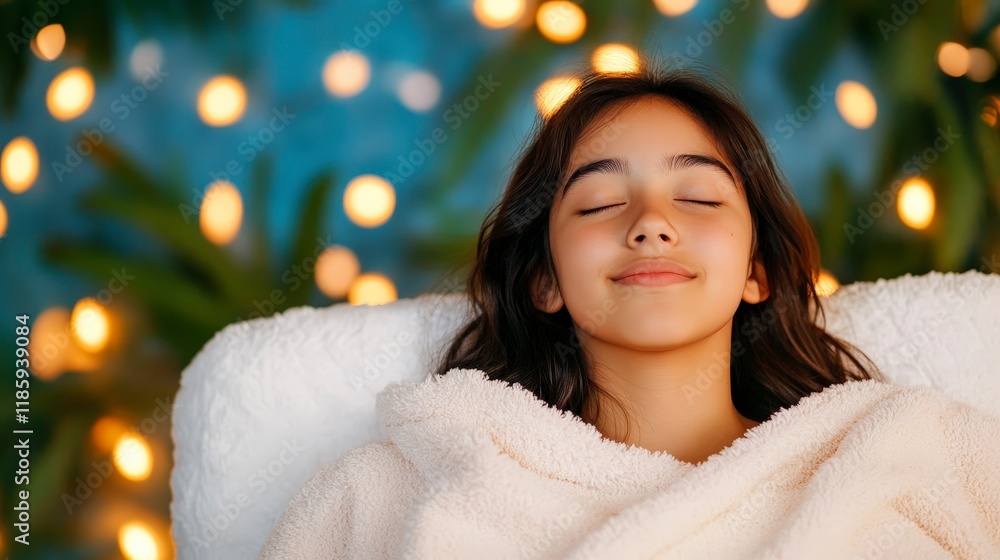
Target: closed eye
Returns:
[603, 208]
[596, 210]
[705, 202]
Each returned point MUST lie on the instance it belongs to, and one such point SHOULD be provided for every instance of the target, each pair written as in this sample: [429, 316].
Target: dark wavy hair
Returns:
[779, 352]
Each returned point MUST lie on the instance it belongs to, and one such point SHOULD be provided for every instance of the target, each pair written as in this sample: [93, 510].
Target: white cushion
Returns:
[268, 401]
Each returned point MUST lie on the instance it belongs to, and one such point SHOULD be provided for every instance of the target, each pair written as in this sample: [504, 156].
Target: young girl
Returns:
[643, 374]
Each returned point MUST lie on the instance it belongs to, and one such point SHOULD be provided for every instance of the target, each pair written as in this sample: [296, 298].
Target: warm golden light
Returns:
[826, 284]
[50, 344]
[554, 92]
[336, 269]
[989, 115]
[915, 203]
[136, 542]
[70, 93]
[953, 59]
[346, 73]
[675, 8]
[787, 9]
[106, 432]
[369, 200]
[615, 58]
[221, 212]
[372, 289]
[221, 101]
[856, 104]
[991, 111]
[89, 325]
[133, 457]
[3, 219]
[498, 13]
[48, 43]
[19, 164]
[561, 21]
[982, 65]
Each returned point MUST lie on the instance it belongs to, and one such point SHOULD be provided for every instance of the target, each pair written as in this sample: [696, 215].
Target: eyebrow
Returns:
[620, 166]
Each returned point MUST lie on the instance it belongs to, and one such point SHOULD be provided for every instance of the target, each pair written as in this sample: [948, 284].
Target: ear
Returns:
[545, 294]
[756, 289]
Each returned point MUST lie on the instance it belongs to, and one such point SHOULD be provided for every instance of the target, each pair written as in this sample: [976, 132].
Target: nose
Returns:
[652, 227]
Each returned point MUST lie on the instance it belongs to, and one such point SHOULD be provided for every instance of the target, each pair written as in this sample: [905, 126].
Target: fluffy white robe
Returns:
[476, 468]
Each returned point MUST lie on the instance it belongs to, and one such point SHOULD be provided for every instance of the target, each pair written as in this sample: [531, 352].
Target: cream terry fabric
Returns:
[476, 468]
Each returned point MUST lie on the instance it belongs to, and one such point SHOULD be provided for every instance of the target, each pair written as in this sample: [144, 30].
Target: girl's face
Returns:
[653, 167]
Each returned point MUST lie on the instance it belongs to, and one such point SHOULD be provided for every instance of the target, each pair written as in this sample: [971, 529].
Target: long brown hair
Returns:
[779, 353]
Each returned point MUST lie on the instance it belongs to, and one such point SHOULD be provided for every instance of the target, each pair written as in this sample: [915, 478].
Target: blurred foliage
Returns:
[193, 288]
[90, 27]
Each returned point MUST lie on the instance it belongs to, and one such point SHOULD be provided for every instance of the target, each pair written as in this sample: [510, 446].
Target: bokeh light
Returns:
[498, 13]
[915, 203]
[372, 289]
[70, 93]
[145, 58]
[786, 9]
[615, 58]
[136, 542]
[48, 43]
[19, 164]
[826, 284]
[346, 73]
[221, 101]
[419, 90]
[221, 212]
[561, 21]
[554, 92]
[982, 65]
[369, 200]
[3, 219]
[90, 325]
[675, 8]
[132, 456]
[106, 432]
[856, 104]
[953, 59]
[336, 269]
[50, 343]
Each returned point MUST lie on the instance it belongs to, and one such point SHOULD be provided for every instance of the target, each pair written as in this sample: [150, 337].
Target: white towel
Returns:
[476, 468]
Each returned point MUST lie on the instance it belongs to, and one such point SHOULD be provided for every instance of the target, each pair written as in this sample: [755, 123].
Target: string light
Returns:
[70, 93]
[369, 200]
[19, 164]
[856, 104]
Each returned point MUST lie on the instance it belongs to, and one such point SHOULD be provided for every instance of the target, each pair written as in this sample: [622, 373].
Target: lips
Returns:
[655, 270]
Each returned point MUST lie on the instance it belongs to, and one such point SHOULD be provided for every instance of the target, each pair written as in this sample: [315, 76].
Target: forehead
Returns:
[651, 124]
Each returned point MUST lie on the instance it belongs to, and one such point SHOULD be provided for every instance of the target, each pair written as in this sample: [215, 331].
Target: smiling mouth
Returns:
[654, 279]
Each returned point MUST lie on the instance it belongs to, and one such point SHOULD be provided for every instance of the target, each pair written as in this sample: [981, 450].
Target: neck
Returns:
[677, 401]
